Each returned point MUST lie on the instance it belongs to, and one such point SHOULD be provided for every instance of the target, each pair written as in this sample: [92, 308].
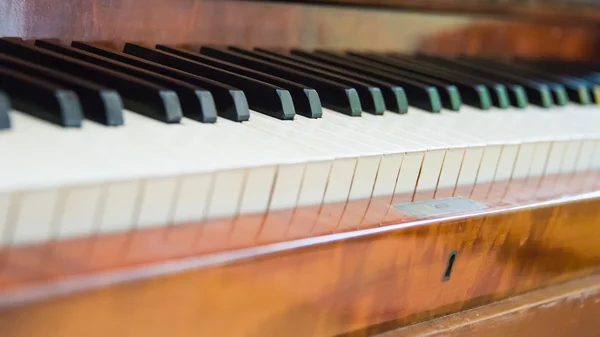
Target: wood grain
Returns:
[570, 309]
[320, 271]
[271, 24]
[532, 10]
[368, 277]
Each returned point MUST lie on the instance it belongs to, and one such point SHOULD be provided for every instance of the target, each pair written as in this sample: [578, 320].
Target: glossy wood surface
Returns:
[570, 309]
[271, 24]
[352, 267]
[379, 270]
[534, 10]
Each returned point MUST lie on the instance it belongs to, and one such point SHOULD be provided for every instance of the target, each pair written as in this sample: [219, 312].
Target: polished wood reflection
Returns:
[239, 276]
[282, 25]
[570, 309]
[532, 10]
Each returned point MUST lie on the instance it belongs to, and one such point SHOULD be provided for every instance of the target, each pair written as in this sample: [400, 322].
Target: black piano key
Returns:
[537, 93]
[262, 97]
[196, 103]
[473, 94]
[497, 91]
[230, 102]
[332, 94]
[100, 104]
[585, 74]
[450, 97]
[558, 91]
[516, 93]
[422, 95]
[306, 100]
[394, 95]
[140, 96]
[371, 98]
[41, 98]
[579, 90]
[593, 83]
[4, 109]
[576, 90]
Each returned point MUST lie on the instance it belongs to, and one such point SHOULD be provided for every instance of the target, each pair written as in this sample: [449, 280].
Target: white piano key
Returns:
[595, 163]
[192, 198]
[389, 170]
[338, 185]
[523, 161]
[555, 158]
[451, 168]
[375, 129]
[318, 166]
[157, 202]
[425, 128]
[5, 204]
[507, 163]
[301, 133]
[287, 179]
[470, 166]
[334, 125]
[489, 164]
[286, 188]
[314, 183]
[36, 217]
[364, 177]
[394, 136]
[226, 193]
[79, 213]
[539, 160]
[409, 172]
[585, 155]
[257, 190]
[119, 207]
[388, 124]
[430, 170]
[571, 156]
[142, 149]
[115, 159]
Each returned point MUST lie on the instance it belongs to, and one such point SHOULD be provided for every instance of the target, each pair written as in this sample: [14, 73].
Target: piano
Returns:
[333, 168]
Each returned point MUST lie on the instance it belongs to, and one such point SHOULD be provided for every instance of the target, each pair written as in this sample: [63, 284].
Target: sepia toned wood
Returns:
[356, 267]
[533, 10]
[570, 309]
[359, 266]
[270, 24]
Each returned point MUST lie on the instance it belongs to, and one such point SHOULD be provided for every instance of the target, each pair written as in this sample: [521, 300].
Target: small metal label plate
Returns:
[438, 207]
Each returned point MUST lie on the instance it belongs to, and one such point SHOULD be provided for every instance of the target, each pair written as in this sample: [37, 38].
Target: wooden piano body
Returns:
[352, 268]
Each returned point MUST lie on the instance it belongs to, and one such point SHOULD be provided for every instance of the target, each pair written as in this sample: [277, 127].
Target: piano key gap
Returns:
[320, 211]
[7, 237]
[269, 209]
[173, 207]
[439, 177]
[493, 180]
[337, 225]
[479, 170]
[512, 174]
[414, 194]
[460, 168]
[372, 192]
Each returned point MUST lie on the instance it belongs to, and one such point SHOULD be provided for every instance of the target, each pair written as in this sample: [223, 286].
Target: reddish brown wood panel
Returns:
[373, 279]
[533, 10]
[570, 309]
[294, 25]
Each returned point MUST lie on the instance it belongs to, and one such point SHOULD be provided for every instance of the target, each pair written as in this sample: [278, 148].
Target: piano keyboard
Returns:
[96, 140]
